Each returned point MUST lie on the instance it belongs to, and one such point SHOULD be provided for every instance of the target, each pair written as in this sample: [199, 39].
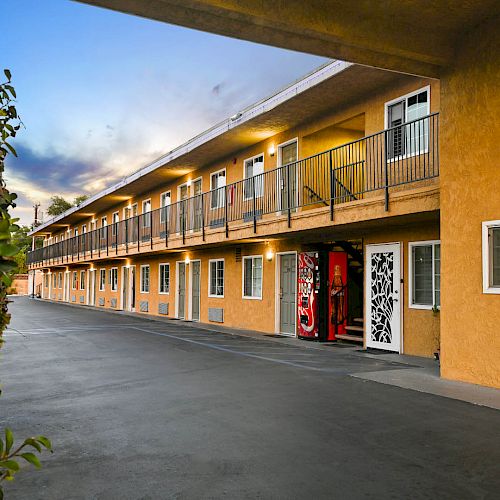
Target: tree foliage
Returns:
[58, 205]
[80, 199]
[10, 123]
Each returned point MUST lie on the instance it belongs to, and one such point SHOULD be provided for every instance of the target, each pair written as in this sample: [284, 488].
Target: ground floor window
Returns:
[491, 257]
[102, 279]
[113, 278]
[74, 283]
[46, 280]
[164, 278]
[252, 277]
[145, 279]
[60, 280]
[216, 278]
[82, 280]
[425, 274]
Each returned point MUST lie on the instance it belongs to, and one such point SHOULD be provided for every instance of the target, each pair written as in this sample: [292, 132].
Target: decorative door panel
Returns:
[382, 291]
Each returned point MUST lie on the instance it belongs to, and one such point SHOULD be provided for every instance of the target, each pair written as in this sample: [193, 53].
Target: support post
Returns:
[332, 185]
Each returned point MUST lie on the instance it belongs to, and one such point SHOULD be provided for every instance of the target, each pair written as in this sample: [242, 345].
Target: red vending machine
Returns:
[337, 294]
[322, 294]
[308, 295]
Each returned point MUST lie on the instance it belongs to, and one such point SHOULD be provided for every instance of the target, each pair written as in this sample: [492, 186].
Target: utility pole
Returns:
[36, 223]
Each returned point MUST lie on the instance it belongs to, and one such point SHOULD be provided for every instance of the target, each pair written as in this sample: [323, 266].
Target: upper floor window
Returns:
[253, 171]
[412, 138]
[491, 257]
[146, 211]
[115, 219]
[425, 274]
[104, 224]
[165, 201]
[217, 188]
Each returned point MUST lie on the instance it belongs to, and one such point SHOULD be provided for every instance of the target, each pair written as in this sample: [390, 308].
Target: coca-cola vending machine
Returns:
[308, 295]
[322, 294]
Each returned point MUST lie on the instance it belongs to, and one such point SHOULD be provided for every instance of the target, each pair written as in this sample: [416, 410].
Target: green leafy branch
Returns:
[10, 123]
[10, 456]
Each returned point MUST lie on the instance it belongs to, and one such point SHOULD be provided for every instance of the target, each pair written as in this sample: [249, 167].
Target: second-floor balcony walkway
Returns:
[369, 167]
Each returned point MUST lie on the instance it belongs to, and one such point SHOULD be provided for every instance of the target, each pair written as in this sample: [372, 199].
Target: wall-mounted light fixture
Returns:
[188, 183]
[271, 150]
[269, 255]
[187, 260]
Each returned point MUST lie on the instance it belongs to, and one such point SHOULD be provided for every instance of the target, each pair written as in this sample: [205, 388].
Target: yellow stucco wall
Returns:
[420, 327]
[470, 194]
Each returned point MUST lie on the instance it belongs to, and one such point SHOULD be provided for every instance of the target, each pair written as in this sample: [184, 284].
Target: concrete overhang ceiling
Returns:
[411, 36]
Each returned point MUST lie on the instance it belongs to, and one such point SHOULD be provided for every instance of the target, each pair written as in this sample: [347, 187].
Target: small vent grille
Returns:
[216, 314]
[82, 299]
[73, 298]
[163, 308]
[101, 301]
[237, 254]
[113, 302]
[144, 306]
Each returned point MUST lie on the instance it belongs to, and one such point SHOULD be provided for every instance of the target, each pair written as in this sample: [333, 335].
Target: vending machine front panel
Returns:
[337, 303]
[307, 294]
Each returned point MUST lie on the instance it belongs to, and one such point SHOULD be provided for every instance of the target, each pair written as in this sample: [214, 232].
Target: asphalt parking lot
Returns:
[143, 410]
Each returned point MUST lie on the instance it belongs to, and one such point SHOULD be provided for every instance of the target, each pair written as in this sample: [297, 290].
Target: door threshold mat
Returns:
[375, 351]
[338, 344]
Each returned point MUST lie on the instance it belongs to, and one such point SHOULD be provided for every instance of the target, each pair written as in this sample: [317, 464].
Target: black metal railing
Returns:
[394, 157]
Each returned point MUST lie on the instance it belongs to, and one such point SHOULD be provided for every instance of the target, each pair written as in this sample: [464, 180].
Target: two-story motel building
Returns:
[313, 213]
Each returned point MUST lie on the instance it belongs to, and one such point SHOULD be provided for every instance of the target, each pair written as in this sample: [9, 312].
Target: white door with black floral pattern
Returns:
[383, 296]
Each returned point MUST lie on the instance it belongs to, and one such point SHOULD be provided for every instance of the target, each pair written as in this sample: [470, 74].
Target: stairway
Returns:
[354, 331]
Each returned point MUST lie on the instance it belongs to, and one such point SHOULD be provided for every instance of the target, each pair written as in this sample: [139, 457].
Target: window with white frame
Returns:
[253, 170]
[145, 279]
[216, 278]
[164, 274]
[115, 218]
[252, 277]
[54, 281]
[104, 224]
[146, 210]
[102, 279]
[74, 282]
[413, 138]
[113, 278]
[491, 257]
[82, 280]
[60, 280]
[217, 188]
[165, 201]
[46, 280]
[425, 274]
[76, 232]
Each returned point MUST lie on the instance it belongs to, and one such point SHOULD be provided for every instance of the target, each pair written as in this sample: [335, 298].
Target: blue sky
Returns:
[102, 93]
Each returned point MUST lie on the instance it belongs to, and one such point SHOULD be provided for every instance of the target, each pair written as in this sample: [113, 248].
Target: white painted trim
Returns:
[367, 287]
[190, 291]
[412, 244]
[140, 278]
[314, 78]
[159, 278]
[212, 188]
[405, 97]
[176, 302]
[101, 287]
[279, 163]
[277, 285]
[486, 226]
[245, 177]
[111, 279]
[243, 277]
[210, 277]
